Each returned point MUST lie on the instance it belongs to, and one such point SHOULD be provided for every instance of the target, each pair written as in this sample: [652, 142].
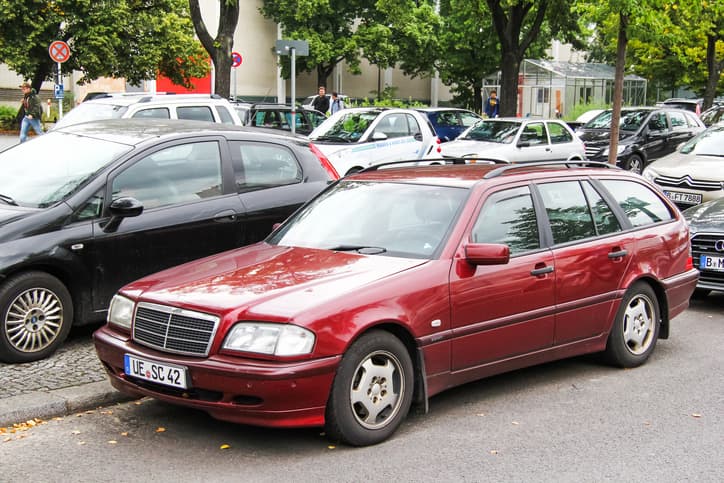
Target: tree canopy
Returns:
[124, 38]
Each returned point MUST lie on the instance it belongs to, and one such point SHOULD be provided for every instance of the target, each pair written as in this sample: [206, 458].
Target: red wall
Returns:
[201, 86]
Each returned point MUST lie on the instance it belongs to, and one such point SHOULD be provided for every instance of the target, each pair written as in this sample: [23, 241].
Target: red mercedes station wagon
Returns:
[396, 284]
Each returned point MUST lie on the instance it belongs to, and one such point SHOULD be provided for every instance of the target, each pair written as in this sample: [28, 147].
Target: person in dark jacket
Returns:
[491, 105]
[321, 102]
[30, 112]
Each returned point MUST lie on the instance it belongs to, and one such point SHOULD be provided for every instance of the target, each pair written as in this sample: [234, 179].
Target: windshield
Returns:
[376, 218]
[48, 169]
[630, 120]
[350, 127]
[91, 111]
[493, 131]
[707, 143]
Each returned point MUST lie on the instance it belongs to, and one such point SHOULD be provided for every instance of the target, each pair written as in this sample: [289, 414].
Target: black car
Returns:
[645, 134]
[278, 116]
[706, 225]
[88, 208]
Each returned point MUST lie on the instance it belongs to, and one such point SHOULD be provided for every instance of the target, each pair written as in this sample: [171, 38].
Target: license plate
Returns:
[679, 197]
[166, 374]
[707, 262]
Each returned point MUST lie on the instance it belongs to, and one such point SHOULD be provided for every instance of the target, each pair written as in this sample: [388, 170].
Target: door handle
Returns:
[541, 271]
[225, 216]
[618, 254]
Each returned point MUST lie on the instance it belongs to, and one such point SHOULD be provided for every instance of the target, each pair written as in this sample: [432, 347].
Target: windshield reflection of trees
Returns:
[494, 131]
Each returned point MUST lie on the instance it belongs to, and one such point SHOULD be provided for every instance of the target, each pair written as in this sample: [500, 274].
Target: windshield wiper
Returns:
[363, 249]
[8, 200]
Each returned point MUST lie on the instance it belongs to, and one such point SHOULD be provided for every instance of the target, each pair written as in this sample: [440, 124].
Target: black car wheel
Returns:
[37, 312]
[635, 329]
[634, 163]
[372, 390]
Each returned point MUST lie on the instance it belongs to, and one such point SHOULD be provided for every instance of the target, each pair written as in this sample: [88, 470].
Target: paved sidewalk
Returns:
[7, 140]
[69, 381]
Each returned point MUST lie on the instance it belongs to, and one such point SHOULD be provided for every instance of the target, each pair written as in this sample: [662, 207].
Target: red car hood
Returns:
[266, 280]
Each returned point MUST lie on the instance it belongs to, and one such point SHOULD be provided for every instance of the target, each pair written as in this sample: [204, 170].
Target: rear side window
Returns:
[567, 210]
[508, 218]
[154, 113]
[558, 133]
[195, 113]
[534, 133]
[224, 115]
[641, 205]
[258, 166]
[678, 121]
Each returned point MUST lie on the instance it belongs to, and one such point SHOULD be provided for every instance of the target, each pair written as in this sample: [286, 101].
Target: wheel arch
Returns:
[661, 299]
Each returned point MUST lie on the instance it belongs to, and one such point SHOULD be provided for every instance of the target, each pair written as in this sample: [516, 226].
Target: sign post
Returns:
[293, 48]
[236, 60]
[59, 52]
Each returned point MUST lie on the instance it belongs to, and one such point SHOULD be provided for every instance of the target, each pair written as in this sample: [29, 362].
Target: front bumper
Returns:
[262, 393]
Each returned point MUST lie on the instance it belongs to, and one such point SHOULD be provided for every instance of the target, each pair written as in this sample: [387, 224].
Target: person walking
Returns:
[30, 112]
[491, 105]
[337, 103]
[321, 102]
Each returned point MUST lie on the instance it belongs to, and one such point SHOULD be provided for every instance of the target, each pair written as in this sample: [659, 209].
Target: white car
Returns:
[517, 140]
[354, 139]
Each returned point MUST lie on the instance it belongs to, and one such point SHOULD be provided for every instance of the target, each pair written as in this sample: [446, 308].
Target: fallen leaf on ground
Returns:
[696, 415]
[113, 441]
[515, 423]
[493, 451]
[224, 446]
[125, 433]
[75, 432]
[331, 446]
[160, 429]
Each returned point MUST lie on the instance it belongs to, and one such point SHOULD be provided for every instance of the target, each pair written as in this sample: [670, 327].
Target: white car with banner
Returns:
[354, 139]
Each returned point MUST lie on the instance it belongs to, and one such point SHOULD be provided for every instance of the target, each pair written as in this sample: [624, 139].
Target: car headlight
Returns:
[120, 312]
[270, 339]
[619, 149]
[649, 174]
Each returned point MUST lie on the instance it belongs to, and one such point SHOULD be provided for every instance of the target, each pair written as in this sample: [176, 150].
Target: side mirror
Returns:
[125, 207]
[379, 136]
[487, 254]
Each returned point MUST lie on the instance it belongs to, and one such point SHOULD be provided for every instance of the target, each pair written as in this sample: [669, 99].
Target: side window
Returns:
[558, 133]
[412, 125]
[641, 205]
[224, 115]
[393, 125]
[258, 166]
[567, 210]
[534, 133]
[678, 121]
[508, 217]
[195, 113]
[691, 121]
[301, 121]
[468, 119]
[447, 119]
[178, 174]
[603, 216]
[154, 113]
[91, 209]
[657, 122]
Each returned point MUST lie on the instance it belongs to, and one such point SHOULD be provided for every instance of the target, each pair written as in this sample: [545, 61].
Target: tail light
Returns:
[324, 161]
[439, 148]
[689, 263]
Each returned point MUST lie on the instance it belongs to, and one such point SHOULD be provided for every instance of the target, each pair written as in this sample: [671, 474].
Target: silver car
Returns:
[516, 140]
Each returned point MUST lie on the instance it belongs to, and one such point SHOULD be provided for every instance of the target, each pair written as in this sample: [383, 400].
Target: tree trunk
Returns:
[477, 96]
[713, 71]
[508, 94]
[618, 86]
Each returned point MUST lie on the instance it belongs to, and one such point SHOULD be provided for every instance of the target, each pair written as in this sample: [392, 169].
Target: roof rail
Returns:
[569, 164]
[428, 162]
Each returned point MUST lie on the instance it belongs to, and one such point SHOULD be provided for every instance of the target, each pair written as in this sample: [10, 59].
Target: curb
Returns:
[58, 402]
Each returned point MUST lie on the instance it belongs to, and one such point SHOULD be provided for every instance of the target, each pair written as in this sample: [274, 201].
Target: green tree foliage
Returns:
[337, 30]
[519, 23]
[221, 46]
[124, 38]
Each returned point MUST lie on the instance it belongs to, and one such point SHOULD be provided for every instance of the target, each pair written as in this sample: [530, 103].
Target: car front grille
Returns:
[704, 244]
[171, 329]
[688, 182]
[593, 151]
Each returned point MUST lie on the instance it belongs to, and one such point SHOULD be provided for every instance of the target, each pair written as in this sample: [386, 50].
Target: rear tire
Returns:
[635, 329]
[36, 312]
[372, 391]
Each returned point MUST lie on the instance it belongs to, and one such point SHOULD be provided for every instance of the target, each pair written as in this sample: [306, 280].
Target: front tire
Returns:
[636, 327]
[372, 391]
[36, 312]
[635, 164]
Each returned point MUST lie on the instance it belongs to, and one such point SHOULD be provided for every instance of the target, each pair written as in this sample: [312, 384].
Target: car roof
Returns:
[441, 109]
[138, 131]
[143, 98]
[469, 175]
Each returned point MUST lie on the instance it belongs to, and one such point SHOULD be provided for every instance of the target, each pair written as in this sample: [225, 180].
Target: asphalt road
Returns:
[569, 421]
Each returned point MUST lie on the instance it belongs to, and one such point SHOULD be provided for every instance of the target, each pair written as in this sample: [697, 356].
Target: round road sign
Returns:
[236, 59]
[59, 51]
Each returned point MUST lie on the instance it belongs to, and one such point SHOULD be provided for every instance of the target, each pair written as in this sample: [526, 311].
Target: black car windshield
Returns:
[707, 143]
[376, 218]
[91, 111]
[348, 128]
[630, 120]
[493, 131]
[49, 168]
